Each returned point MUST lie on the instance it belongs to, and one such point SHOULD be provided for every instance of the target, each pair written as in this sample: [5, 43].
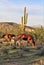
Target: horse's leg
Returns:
[18, 43]
[33, 43]
[28, 42]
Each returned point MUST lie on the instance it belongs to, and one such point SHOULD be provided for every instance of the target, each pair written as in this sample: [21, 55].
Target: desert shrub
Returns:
[14, 47]
[38, 35]
[42, 52]
[1, 34]
[6, 43]
[0, 45]
[20, 53]
[5, 51]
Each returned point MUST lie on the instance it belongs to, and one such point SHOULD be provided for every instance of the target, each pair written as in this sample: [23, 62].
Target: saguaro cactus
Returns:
[24, 19]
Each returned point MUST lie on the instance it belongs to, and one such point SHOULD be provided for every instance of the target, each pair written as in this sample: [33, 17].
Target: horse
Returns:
[29, 38]
[8, 36]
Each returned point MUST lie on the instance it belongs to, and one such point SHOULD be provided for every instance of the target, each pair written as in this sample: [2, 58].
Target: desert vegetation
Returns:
[11, 54]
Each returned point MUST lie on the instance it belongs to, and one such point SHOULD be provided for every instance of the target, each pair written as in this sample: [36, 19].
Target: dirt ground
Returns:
[38, 62]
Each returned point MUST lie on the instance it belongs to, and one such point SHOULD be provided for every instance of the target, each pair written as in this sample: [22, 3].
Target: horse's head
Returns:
[31, 39]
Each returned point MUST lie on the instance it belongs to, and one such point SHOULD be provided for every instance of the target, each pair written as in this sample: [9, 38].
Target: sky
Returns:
[13, 10]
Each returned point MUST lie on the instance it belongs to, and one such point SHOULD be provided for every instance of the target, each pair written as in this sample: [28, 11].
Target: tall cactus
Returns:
[24, 19]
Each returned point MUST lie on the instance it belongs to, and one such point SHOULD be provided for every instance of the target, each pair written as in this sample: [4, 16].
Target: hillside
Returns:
[11, 27]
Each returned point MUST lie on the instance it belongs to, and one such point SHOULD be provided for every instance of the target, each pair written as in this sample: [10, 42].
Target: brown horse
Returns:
[27, 37]
[8, 36]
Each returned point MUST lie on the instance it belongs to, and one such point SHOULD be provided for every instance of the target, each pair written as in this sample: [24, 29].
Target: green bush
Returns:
[5, 51]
